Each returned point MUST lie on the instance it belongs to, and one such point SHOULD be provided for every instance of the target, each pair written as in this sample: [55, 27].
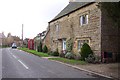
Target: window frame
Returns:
[57, 27]
[83, 19]
[80, 42]
[63, 44]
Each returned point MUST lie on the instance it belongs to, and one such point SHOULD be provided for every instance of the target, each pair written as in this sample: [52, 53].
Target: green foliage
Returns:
[92, 59]
[69, 55]
[85, 51]
[40, 47]
[55, 53]
[62, 55]
[40, 54]
[69, 45]
[77, 56]
[45, 49]
[69, 61]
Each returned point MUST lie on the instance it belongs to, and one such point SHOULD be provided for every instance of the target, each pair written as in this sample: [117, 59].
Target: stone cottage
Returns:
[84, 22]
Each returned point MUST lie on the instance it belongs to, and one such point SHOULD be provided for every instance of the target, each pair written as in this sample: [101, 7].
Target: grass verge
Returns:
[69, 61]
[34, 52]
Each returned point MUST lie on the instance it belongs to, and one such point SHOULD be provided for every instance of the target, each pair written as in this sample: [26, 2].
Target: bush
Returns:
[62, 54]
[55, 53]
[85, 51]
[40, 47]
[49, 52]
[45, 49]
[69, 55]
[77, 56]
[92, 59]
[69, 45]
[97, 59]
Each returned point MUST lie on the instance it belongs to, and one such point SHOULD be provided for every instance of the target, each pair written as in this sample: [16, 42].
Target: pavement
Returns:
[108, 70]
[20, 64]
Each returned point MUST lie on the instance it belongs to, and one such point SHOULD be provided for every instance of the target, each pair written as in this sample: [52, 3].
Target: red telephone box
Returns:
[31, 44]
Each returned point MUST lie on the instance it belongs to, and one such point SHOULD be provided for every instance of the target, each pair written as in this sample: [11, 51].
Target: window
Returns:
[64, 44]
[57, 28]
[83, 19]
[81, 42]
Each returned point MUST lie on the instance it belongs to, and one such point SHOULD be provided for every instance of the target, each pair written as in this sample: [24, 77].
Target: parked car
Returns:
[14, 45]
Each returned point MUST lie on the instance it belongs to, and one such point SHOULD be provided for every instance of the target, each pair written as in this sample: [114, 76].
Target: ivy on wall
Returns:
[69, 45]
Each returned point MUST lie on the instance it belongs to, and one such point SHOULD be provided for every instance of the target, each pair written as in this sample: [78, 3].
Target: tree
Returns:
[45, 49]
[85, 51]
[40, 47]
[69, 45]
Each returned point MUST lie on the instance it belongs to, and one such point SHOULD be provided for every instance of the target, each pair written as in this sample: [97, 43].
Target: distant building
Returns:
[38, 38]
[46, 39]
[2, 39]
[13, 39]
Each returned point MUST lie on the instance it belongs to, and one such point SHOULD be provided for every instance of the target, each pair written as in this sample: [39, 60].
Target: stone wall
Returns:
[47, 40]
[69, 27]
[110, 34]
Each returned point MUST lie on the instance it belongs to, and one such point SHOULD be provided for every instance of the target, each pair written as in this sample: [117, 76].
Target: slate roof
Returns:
[71, 7]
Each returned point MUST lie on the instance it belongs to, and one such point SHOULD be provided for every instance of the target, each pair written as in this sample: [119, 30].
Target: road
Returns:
[19, 64]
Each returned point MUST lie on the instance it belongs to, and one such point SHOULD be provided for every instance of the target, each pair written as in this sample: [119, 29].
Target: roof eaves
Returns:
[71, 12]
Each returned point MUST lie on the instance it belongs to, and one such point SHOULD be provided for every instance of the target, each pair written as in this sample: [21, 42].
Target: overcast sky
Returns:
[34, 14]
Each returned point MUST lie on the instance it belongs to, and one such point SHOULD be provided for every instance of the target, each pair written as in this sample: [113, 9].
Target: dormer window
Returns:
[83, 19]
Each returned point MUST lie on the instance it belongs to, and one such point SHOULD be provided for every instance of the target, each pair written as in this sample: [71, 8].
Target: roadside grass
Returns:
[69, 61]
[40, 54]
[65, 60]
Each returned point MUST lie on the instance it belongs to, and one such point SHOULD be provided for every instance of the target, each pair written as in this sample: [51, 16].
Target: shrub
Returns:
[97, 59]
[62, 54]
[69, 55]
[85, 51]
[40, 47]
[45, 49]
[90, 58]
[49, 52]
[69, 45]
[93, 59]
[55, 53]
[77, 56]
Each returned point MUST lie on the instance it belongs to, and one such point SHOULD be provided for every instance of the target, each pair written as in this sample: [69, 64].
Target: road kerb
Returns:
[83, 69]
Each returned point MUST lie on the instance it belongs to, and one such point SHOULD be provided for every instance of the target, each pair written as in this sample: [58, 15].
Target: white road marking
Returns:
[14, 56]
[11, 53]
[23, 64]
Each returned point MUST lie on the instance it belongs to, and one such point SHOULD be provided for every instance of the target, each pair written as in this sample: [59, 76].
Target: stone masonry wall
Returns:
[110, 34]
[69, 27]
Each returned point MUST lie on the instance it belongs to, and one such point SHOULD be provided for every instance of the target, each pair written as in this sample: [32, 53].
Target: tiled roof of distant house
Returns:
[71, 7]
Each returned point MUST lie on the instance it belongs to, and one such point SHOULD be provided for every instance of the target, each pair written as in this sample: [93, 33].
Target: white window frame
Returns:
[64, 44]
[82, 22]
[80, 42]
[57, 27]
